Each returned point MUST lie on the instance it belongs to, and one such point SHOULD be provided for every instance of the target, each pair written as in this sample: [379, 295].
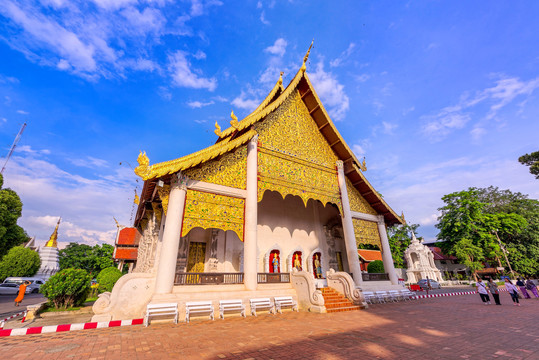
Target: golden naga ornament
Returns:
[234, 122]
[143, 169]
[363, 165]
[306, 57]
[217, 130]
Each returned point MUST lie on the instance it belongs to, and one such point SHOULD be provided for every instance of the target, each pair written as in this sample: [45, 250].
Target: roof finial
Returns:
[280, 81]
[217, 130]
[117, 223]
[137, 199]
[306, 57]
[234, 122]
[402, 217]
[363, 165]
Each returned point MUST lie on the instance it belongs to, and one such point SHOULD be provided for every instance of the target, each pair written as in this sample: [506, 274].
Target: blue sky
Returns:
[438, 96]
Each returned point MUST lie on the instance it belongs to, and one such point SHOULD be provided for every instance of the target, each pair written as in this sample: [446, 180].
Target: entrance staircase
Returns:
[336, 302]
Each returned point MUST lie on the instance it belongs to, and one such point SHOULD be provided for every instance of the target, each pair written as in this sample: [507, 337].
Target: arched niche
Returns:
[268, 260]
[290, 260]
[311, 262]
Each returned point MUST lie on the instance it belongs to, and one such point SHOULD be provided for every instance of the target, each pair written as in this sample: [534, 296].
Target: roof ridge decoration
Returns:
[147, 172]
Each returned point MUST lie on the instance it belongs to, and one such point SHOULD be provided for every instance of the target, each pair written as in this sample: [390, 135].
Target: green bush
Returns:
[67, 288]
[19, 261]
[376, 266]
[107, 278]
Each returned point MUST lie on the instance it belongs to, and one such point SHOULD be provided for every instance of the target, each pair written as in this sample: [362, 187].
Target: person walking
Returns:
[530, 285]
[522, 287]
[512, 290]
[22, 291]
[482, 290]
[493, 287]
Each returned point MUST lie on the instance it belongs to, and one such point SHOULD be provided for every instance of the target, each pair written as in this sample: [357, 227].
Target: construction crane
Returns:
[17, 138]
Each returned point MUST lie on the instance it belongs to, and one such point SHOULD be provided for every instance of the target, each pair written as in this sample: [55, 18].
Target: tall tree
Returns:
[19, 261]
[471, 232]
[399, 237]
[82, 256]
[531, 160]
[11, 234]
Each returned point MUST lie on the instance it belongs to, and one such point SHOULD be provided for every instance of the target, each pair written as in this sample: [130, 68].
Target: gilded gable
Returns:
[357, 202]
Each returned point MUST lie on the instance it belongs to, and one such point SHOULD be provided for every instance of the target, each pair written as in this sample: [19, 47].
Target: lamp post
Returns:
[504, 254]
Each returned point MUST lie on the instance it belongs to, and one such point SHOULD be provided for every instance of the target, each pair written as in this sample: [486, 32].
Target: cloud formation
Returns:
[331, 92]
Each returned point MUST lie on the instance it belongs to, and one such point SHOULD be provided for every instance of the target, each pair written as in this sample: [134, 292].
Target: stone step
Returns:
[342, 309]
[337, 302]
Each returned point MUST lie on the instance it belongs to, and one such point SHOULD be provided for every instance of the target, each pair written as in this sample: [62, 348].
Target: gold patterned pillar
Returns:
[386, 252]
[166, 269]
[251, 217]
[348, 227]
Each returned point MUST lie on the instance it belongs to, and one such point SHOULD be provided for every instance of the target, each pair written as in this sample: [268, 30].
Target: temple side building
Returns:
[277, 206]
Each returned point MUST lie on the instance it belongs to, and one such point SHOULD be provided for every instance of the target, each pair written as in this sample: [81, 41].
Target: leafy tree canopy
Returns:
[19, 261]
[93, 259]
[475, 224]
[11, 234]
[399, 239]
[531, 160]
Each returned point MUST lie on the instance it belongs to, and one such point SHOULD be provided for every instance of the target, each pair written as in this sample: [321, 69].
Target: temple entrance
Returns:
[197, 257]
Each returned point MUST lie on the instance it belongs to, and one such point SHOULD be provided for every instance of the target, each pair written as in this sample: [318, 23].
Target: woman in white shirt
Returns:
[483, 292]
[512, 290]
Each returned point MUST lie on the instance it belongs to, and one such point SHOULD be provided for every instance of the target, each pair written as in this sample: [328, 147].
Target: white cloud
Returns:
[358, 150]
[444, 125]
[278, 48]
[389, 127]
[28, 149]
[183, 76]
[164, 92]
[148, 20]
[362, 77]
[199, 55]
[243, 102]
[331, 92]
[89, 162]
[8, 79]
[114, 4]
[85, 205]
[263, 18]
[3, 120]
[199, 104]
[23, 112]
[343, 57]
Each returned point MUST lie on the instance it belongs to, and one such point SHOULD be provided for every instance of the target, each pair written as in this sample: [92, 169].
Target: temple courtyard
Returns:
[458, 327]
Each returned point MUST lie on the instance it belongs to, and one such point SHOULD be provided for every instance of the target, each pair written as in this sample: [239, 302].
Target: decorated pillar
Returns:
[251, 217]
[386, 252]
[348, 228]
[166, 269]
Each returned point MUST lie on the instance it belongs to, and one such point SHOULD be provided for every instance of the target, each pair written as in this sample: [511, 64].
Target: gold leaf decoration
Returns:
[143, 169]
[208, 210]
[164, 192]
[357, 202]
[157, 211]
[294, 157]
[229, 170]
[366, 232]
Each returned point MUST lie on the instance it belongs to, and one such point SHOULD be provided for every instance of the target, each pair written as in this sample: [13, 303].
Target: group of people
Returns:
[484, 288]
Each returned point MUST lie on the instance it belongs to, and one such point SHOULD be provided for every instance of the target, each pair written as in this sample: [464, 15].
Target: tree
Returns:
[11, 234]
[376, 267]
[531, 160]
[67, 288]
[107, 278]
[467, 223]
[82, 256]
[399, 237]
[19, 261]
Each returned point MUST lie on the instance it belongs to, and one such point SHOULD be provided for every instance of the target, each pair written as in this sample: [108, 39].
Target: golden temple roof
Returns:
[146, 172]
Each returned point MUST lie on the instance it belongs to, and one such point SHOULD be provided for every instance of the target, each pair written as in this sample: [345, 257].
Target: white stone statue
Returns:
[420, 260]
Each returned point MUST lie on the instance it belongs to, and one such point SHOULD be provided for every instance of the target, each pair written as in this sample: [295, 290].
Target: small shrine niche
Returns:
[317, 265]
[275, 262]
[297, 261]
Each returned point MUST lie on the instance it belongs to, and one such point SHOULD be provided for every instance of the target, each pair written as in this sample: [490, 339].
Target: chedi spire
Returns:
[53, 239]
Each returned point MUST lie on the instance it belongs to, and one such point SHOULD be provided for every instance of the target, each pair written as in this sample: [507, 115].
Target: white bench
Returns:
[382, 296]
[161, 310]
[285, 301]
[198, 308]
[231, 306]
[369, 296]
[396, 295]
[261, 304]
[407, 294]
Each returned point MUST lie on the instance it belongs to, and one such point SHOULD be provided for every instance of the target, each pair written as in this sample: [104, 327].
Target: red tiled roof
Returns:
[126, 253]
[369, 255]
[128, 236]
[439, 255]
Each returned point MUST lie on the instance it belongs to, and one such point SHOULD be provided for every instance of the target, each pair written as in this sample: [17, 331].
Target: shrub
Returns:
[19, 261]
[376, 266]
[107, 278]
[67, 288]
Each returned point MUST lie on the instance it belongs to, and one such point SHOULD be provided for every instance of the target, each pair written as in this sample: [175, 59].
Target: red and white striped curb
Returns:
[449, 294]
[14, 316]
[69, 327]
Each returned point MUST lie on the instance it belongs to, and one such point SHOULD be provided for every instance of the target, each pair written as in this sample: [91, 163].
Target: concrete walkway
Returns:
[458, 327]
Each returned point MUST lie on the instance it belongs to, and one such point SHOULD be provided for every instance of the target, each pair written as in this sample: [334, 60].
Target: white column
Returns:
[251, 217]
[386, 252]
[348, 227]
[166, 269]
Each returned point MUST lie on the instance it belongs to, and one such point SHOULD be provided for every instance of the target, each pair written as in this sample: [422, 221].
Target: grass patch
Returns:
[53, 309]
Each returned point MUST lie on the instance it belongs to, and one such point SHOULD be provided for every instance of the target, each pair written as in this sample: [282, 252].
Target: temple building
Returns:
[420, 261]
[48, 254]
[277, 206]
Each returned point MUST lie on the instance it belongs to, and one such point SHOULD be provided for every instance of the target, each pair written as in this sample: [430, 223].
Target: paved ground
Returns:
[458, 327]
[7, 304]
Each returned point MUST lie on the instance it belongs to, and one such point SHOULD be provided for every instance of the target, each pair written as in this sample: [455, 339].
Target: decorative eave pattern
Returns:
[147, 172]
